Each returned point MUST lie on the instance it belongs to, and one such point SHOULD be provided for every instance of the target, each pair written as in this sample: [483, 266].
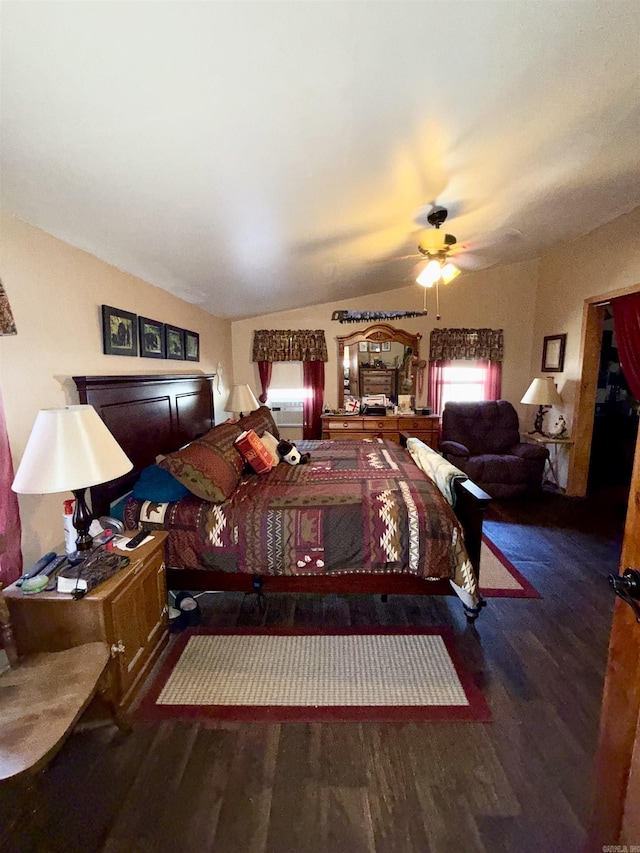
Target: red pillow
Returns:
[253, 451]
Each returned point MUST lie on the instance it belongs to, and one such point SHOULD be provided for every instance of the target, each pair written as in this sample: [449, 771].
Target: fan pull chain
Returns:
[437, 299]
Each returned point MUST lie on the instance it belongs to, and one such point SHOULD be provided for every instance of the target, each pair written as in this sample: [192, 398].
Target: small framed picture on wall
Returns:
[553, 353]
[119, 331]
[152, 338]
[175, 342]
[191, 346]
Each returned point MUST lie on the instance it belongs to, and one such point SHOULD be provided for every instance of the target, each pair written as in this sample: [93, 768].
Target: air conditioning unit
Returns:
[287, 414]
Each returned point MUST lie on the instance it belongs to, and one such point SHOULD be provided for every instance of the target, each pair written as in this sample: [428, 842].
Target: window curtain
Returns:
[10, 530]
[626, 317]
[493, 381]
[313, 380]
[289, 345]
[7, 323]
[480, 345]
[265, 369]
[436, 376]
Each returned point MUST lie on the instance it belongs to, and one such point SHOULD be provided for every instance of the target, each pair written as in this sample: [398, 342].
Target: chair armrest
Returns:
[529, 451]
[454, 448]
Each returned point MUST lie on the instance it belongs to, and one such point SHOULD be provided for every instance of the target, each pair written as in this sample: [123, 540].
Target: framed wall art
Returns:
[152, 338]
[191, 346]
[553, 353]
[119, 331]
[175, 342]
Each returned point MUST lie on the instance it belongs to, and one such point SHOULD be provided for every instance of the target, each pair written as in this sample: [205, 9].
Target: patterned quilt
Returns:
[357, 506]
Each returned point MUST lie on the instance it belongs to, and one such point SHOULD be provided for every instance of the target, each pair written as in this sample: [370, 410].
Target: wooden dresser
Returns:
[424, 427]
[377, 380]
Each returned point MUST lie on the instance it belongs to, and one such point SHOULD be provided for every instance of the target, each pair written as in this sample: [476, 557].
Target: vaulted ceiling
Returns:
[255, 156]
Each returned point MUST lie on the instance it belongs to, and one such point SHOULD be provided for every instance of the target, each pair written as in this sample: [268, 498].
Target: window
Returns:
[464, 381]
[286, 393]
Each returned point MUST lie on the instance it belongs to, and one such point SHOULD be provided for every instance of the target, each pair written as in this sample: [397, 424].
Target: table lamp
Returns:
[242, 400]
[70, 449]
[541, 393]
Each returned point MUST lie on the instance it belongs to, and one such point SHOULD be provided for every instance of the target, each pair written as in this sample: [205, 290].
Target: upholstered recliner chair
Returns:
[483, 440]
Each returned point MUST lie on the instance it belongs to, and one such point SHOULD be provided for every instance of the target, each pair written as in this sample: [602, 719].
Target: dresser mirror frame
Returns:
[379, 333]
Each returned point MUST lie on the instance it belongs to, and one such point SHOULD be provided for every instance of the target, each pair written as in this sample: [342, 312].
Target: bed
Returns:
[361, 516]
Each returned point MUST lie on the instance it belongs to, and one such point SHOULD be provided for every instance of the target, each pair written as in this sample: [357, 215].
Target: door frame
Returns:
[585, 401]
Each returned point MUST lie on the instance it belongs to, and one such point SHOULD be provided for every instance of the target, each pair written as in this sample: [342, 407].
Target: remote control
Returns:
[137, 539]
[54, 565]
[37, 567]
[52, 576]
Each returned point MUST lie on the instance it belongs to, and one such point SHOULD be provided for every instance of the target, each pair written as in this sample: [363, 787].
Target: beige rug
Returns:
[498, 576]
[286, 674]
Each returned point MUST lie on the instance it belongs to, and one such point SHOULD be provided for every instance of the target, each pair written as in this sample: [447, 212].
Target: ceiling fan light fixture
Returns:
[430, 274]
[449, 272]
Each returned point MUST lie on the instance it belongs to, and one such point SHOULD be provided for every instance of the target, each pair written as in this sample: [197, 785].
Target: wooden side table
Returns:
[553, 445]
[129, 612]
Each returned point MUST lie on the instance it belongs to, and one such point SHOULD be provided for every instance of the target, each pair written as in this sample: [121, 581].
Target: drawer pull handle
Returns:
[117, 649]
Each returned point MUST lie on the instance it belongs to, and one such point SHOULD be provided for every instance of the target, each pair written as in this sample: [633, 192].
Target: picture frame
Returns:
[374, 347]
[386, 346]
[152, 338]
[363, 346]
[553, 350]
[191, 346]
[175, 342]
[119, 331]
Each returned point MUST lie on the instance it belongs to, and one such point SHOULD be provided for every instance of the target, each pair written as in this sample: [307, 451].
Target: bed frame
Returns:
[158, 414]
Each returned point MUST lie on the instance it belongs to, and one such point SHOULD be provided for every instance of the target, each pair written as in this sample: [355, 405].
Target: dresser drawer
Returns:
[407, 423]
[340, 424]
[381, 424]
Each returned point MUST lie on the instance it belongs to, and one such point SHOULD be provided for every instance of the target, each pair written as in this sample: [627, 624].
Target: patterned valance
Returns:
[447, 344]
[7, 323]
[289, 345]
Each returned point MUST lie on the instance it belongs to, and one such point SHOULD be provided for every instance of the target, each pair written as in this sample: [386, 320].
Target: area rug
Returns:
[314, 675]
[499, 578]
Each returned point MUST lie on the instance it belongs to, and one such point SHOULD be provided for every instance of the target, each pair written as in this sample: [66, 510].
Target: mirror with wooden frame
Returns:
[377, 360]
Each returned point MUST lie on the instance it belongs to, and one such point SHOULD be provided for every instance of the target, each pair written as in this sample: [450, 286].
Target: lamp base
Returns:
[539, 422]
[82, 518]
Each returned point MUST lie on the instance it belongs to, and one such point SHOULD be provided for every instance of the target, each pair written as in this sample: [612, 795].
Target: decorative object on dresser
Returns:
[544, 394]
[119, 331]
[128, 613]
[242, 400]
[69, 450]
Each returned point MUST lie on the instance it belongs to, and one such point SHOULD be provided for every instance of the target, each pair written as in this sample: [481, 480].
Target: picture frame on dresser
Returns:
[175, 342]
[119, 331]
[152, 338]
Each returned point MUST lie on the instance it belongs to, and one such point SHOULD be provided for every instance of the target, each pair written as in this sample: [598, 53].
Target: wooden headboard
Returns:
[147, 415]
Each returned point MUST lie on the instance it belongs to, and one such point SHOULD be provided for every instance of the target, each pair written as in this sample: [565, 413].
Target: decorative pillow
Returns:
[260, 421]
[211, 466]
[158, 485]
[254, 452]
[271, 443]
[435, 466]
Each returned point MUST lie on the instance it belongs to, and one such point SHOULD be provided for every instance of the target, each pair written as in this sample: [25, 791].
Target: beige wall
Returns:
[56, 292]
[606, 260]
[504, 297]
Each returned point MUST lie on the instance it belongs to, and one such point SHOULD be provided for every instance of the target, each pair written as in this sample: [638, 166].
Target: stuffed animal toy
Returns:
[290, 454]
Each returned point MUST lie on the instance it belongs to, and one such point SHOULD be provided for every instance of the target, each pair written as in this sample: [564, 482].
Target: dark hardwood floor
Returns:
[519, 783]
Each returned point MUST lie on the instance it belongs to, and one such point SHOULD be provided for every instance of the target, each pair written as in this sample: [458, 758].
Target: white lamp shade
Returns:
[542, 392]
[69, 448]
[241, 399]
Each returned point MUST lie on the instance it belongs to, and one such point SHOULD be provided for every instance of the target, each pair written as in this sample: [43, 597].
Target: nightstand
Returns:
[553, 445]
[129, 612]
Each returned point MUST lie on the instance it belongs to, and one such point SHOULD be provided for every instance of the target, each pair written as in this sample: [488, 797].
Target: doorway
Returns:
[615, 424]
